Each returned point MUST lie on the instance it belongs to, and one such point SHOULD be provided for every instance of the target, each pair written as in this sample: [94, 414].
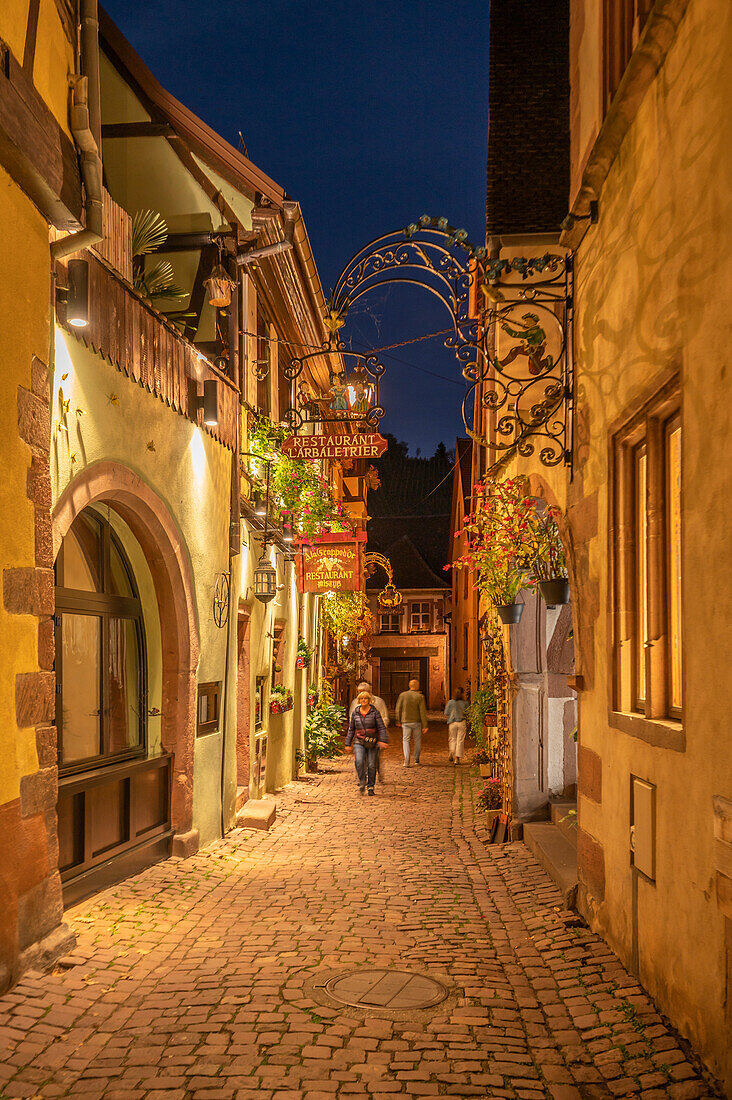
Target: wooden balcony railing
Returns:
[140, 343]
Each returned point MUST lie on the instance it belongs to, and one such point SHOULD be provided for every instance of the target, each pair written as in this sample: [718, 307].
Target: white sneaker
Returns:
[405, 764]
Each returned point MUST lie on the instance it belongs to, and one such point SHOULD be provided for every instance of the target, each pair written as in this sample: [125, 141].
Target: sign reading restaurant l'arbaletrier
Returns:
[331, 566]
[338, 445]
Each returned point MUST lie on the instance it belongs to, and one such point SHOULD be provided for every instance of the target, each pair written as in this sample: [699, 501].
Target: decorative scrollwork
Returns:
[510, 322]
[526, 380]
[353, 396]
[222, 592]
[389, 596]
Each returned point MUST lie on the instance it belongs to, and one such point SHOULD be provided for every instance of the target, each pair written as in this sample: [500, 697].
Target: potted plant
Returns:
[304, 654]
[480, 714]
[549, 562]
[484, 760]
[490, 799]
[312, 697]
[280, 700]
[495, 533]
[324, 730]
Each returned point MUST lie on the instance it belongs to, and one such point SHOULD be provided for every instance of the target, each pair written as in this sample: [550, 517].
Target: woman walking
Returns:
[366, 734]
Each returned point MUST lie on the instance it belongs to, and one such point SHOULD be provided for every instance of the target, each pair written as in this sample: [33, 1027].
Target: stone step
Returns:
[257, 813]
[556, 855]
[242, 794]
[563, 814]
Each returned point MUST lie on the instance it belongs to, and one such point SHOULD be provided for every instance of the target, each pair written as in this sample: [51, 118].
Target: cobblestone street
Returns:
[203, 978]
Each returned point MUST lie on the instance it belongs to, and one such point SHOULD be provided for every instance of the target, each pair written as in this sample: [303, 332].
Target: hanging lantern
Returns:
[219, 287]
[265, 580]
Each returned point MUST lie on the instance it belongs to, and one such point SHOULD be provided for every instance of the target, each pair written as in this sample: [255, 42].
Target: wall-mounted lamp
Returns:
[209, 402]
[75, 296]
[265, 579]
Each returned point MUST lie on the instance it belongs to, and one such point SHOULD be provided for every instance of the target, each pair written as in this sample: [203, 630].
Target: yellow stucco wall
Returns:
[110, 417]
[652, 292]
[52, 63]
[24, 321]
[13, 22]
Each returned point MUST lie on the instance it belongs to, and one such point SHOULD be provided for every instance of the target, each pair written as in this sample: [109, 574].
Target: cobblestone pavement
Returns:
[201, 979]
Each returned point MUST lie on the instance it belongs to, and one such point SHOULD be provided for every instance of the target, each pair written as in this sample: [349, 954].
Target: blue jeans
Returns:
[367, 761]
[411, 729]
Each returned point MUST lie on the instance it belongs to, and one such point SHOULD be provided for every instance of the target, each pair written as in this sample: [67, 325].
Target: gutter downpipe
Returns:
[86, 131]
[289, 215]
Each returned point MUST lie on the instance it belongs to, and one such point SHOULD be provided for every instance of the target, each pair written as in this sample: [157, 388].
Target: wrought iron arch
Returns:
[509, 331]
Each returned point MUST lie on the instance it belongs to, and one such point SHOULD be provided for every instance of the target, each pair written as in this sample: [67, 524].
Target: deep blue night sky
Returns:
[369, 114]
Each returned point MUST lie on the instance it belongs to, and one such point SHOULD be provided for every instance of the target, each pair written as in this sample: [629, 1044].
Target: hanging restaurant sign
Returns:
[346, 445]
[331, 566]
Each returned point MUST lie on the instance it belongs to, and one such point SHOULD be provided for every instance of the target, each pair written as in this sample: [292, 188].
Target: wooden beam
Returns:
[186, 158]
[198, 292]
[136, 129]
[34, 150]
[31, 32]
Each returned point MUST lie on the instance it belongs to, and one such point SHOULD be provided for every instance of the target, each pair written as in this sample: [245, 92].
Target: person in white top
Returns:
[456, 724]
[377, 701]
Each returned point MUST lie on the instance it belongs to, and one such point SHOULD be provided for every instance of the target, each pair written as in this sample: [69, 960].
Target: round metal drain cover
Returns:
[389, 990]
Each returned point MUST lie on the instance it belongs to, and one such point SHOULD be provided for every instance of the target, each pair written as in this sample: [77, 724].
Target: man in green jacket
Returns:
[411, 711]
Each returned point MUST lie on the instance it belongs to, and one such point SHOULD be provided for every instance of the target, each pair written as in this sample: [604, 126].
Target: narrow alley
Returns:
[205, 978]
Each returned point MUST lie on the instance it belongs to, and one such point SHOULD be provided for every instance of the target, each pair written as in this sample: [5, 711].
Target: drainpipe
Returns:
[289, 214]
[86, 130]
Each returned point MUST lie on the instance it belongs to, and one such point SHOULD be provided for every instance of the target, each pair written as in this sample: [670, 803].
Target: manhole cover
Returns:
[386, 989]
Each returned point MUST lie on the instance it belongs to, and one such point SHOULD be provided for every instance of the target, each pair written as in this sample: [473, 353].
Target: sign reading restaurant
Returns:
[338, 445]
[331, 565]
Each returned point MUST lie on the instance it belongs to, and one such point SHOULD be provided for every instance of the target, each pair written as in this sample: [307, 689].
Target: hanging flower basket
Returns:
[312, 698]
[510, 613]
[304, 654]
[555, 591]
[280, 700]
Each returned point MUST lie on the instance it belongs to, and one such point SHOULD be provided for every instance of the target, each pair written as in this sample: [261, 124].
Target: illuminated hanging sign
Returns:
[331, 566]
[345, 445]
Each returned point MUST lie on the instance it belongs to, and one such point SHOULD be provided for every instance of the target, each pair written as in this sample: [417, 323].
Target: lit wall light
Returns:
[209, 402]
[75, 296]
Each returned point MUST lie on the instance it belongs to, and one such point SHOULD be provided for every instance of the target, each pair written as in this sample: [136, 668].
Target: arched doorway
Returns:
[127, 652]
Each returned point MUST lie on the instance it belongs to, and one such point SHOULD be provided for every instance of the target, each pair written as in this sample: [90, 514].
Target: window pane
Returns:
[81, 703]
[123, 672]
[641, 527]
[673, 467]
[82, 555]
[119, 580]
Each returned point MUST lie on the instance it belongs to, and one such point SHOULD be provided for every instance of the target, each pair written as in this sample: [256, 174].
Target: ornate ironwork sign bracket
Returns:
[389, 597]
[509, 328]
[525, 376]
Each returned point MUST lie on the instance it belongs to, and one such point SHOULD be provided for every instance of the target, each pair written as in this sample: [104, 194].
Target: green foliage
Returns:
[347, 615]
[301, 495]
[323, 728]
[512, 540]
[304, 650]
[480, 706]
[149, 233]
